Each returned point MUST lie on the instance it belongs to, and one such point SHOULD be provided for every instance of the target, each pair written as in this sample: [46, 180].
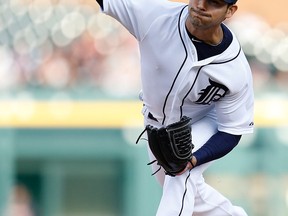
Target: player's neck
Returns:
[211, 36]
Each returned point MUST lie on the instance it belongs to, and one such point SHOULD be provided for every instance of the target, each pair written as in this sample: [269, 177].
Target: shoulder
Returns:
[231, 68]
[145, 4]
[165, 7]
[144, 10]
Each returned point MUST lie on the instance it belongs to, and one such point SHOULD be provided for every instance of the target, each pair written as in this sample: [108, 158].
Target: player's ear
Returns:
[231, 10]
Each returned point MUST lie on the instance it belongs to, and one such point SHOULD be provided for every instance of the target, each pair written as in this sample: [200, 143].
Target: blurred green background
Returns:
[70, 116]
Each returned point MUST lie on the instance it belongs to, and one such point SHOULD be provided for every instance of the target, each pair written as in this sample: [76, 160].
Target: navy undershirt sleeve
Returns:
[216, 147]
[100, 2]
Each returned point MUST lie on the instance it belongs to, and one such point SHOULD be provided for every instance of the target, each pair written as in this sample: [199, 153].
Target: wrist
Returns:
[194, 161]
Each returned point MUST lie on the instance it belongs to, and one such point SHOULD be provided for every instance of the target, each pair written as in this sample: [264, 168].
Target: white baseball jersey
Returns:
[177, 82]
[174, 81]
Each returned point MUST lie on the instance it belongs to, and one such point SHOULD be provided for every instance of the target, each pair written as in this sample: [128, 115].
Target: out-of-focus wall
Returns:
[272, 12]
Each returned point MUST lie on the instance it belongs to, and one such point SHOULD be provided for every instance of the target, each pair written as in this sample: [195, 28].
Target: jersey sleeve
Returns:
[135, 15]
[235, 113]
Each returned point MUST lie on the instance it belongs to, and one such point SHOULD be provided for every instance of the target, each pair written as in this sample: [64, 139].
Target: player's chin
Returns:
[198, 22]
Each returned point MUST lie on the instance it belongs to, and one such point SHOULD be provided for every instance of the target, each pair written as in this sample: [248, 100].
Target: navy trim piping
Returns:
[186, 53]
[181, 107]
[184, 194]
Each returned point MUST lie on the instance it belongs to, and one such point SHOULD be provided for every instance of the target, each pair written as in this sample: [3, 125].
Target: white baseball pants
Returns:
[188, 194]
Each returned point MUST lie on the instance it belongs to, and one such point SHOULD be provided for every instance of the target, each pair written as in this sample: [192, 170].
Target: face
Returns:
[209, 13]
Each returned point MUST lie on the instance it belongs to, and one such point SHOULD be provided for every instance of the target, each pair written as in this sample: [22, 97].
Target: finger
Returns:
[188, 167]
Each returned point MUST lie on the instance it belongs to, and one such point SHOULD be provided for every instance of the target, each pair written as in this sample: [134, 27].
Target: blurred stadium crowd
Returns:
[55, 46]
[61, 47]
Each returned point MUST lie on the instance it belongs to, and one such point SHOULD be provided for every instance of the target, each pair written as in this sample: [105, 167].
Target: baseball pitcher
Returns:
[197, 95]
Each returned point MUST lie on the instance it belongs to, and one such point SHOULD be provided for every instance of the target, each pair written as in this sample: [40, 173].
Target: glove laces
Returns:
[140, 136]
[152, 162]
